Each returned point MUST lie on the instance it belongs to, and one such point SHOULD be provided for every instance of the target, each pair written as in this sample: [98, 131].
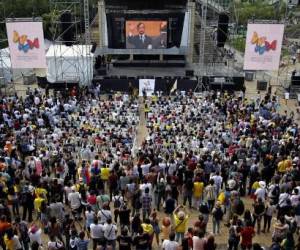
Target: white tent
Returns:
[8, 73]
[69, 63]
[6, 70]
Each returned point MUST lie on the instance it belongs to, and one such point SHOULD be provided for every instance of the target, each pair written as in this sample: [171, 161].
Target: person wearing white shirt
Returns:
[97, 233]
[261, 193]
[295, 197]
[144, 186]
[110, 233]
[104, 214]
[35, 234]
[217, 181]
[145, 168]
[170, 244]
[75, 200]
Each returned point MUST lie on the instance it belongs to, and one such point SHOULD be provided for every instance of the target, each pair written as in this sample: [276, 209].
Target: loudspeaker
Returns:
[67, 28]
[249, 76]
[222, 31]
[262, 85]
[101, 71]
[94, 47]
[189, 73]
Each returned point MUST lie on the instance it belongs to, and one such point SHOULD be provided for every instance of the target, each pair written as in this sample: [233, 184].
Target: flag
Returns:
[174, 88]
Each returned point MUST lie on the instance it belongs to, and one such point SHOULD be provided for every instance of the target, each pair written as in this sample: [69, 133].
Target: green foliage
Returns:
[238, 43]
[258, 10]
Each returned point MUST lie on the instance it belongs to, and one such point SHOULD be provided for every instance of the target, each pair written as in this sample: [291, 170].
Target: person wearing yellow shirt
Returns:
[148, 228]
[38, 204]
[287, 164]
[12, 241]
[105, 173]
[281, 167]
[197, 193]
[40, 191]
[180, 222]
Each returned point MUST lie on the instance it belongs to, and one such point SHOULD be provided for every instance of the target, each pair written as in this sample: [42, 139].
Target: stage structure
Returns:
[6, 71]
[69, 31]
[213, 43]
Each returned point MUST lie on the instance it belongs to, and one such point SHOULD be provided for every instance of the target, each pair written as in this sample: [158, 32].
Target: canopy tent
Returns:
[69, 63]
[9, 74]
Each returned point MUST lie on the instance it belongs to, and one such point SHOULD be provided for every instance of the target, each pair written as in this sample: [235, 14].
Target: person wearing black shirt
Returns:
[124, 240]
[124, 215]
[72, 170]
[170, 205]
[259, 210]
[141, 241]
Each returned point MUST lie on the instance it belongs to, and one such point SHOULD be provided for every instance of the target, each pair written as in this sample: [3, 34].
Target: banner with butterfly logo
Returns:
[26, 44]
[263, 46]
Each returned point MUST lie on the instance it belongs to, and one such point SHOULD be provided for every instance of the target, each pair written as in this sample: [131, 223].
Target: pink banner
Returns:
[26, 44]
[263, 46]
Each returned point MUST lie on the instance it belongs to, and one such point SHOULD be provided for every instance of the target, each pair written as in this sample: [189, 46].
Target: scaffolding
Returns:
[6, 73]
[83, 71]
[212, 60]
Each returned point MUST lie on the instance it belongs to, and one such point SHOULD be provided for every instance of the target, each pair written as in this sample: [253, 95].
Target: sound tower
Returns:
[67, 28]
[222, 32]
[94, 47]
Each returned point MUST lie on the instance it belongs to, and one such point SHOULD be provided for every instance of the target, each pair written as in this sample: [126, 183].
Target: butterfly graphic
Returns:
[262, 45]
[271, 46]
[260, 49]
[25, 44]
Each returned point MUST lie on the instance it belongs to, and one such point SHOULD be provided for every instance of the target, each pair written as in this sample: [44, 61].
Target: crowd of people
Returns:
[72, 176]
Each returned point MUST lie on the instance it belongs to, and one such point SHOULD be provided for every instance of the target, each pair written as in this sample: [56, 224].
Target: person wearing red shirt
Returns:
[247, 235]
[4, 226]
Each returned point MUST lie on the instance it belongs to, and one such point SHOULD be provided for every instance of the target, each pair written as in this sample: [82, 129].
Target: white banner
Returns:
[26, 44]
[147, 85]
[263, 46]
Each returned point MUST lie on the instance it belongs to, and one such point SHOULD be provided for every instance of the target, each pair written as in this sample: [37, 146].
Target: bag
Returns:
[204, 208]
[73, 243]
[23, 198]
[275, 192]
[240, 207]
[117, 202]
[218, 214]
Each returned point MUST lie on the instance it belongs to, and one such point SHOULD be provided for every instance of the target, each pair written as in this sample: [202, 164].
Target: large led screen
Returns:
[146, 34]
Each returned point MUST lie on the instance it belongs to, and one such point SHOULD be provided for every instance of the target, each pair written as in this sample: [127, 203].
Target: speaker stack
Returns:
[67, 28]
[262, 85]
[189, 73]
[222, 31]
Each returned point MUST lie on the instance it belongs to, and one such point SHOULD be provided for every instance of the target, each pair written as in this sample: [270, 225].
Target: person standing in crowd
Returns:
[217, 213]
[210, 194]
[110, 233]
[146, 203]
[170, 244]
[62, 157]
[259, 211]
[180, 222]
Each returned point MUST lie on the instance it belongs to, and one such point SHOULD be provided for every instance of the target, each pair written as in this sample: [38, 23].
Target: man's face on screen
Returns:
[141, 29]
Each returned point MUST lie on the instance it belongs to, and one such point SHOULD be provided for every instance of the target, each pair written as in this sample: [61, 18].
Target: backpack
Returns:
[117, 202]
[204, 208]
[160, 188]
[73, 243]
[23, 198]
[218, 214]
[275, 192]
[82, 191]
[240, 207]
